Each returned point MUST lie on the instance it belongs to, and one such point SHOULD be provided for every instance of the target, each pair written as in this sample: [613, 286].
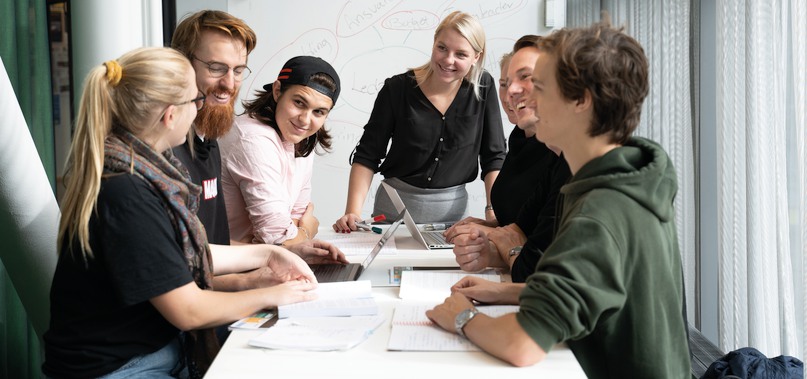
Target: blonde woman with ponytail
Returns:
[132, 292]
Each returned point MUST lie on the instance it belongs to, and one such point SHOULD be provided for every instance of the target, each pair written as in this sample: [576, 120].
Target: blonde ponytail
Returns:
[129, 93]
[86, 159]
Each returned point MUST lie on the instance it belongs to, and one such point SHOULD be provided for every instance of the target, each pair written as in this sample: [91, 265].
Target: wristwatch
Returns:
[514, 251]
[463, 318]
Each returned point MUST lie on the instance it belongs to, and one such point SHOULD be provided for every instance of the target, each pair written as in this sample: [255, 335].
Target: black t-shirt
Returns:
[538, 216]
[101, 316]
[205, 170]
[429, 149]
[518, 177]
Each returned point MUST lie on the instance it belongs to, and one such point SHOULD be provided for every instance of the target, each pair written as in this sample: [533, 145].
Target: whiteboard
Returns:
[368, 41]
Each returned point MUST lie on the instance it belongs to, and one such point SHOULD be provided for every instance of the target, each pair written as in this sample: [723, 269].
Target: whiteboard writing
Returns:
[368, 41]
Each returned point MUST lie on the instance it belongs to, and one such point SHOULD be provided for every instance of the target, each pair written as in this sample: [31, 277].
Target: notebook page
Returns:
[413, 331]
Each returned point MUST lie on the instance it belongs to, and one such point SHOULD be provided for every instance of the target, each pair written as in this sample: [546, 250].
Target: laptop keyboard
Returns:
[331, 272]
[434, 238]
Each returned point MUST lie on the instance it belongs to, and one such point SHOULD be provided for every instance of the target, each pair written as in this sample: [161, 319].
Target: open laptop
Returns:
[429, 239]
[335, 272]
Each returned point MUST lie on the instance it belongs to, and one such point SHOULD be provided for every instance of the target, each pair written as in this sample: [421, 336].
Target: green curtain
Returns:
[25, 52]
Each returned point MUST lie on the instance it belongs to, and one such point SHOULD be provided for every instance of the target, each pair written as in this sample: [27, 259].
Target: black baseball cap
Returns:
[298, 70]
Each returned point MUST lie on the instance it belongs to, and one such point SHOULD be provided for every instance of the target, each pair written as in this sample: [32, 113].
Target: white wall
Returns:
[366, 41]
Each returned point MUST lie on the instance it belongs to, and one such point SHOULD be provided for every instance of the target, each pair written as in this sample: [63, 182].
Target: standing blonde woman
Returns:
[134, 266]
[444, 122]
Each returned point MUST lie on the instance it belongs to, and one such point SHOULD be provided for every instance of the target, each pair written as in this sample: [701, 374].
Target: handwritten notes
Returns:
[413, 331]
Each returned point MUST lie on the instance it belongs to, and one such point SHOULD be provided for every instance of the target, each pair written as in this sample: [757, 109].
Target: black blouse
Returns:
[429, 149]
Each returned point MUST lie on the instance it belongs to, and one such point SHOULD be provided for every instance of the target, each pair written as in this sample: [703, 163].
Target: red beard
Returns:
[214, 121]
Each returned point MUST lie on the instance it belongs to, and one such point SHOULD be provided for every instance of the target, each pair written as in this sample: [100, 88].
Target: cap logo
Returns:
[299, 70]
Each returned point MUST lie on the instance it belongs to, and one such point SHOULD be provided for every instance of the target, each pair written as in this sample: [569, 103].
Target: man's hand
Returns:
[506, 238]
[464, 227]
[473, 252]
[318, 252]
[485, 291]
[445, 314]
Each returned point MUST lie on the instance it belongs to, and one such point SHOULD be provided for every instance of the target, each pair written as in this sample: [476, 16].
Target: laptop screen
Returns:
[377, 248]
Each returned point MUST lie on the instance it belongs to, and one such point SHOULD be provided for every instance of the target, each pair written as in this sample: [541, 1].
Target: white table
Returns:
[371, 359]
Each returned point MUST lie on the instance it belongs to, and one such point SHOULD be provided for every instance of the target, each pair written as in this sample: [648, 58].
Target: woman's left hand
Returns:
[287, 266]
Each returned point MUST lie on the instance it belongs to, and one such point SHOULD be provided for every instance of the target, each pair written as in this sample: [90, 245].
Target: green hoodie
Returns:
[611, 285]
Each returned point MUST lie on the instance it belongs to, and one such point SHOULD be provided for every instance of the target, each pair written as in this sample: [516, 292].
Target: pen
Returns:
[436, 226]
[362, 225]
[373, 219]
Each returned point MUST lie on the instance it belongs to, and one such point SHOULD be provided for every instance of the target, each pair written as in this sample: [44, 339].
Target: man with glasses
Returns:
[217, 45]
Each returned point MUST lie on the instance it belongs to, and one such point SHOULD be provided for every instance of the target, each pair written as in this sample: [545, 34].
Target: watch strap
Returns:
[463, 318]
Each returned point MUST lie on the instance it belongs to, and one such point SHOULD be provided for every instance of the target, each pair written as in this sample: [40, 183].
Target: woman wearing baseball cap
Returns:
[266, 157]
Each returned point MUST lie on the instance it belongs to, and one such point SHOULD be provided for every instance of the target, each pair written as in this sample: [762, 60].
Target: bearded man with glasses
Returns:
[217, 44]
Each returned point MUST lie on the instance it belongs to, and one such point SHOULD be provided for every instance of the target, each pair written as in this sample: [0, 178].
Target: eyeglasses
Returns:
[217, 70]
[199, 101]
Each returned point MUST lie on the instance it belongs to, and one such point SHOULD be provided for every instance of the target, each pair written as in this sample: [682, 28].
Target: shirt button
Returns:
[436, 159]
[441, 139]
[429, 179]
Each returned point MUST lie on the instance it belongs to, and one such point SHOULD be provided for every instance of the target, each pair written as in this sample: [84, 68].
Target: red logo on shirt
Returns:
[209, 188]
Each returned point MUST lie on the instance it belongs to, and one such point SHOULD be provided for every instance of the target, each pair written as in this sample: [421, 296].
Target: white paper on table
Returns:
[434, 286]
[413, 331]
[318, 333]
[353, 298]
[360, 244]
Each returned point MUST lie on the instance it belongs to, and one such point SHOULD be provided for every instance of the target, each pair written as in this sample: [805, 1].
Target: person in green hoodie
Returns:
[610, 285]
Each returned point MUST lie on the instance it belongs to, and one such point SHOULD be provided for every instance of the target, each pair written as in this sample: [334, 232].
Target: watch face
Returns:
[514, 251]
[463, 318]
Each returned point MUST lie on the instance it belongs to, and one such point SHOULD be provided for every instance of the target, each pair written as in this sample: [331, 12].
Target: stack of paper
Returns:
[354, 298]
[343, 315]
[318, 333]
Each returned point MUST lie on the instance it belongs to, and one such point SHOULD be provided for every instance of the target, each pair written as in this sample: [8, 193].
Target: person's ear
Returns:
[584, 103]
[169, 117]
[276, 90]
[476, 57]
